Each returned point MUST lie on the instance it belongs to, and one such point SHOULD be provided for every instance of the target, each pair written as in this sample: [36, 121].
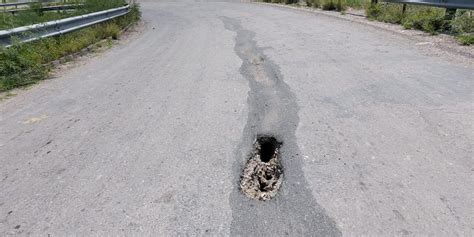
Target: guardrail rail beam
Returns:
[38, 31]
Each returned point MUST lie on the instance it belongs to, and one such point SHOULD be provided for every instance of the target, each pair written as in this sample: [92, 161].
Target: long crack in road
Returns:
[273, 110]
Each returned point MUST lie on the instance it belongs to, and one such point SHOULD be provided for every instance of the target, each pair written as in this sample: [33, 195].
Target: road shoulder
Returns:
[442, 43]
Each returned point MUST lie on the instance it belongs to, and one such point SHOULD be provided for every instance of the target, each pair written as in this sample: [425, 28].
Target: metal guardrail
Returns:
[449, 4]
[16, 4]
[44, 8]
[38, 31]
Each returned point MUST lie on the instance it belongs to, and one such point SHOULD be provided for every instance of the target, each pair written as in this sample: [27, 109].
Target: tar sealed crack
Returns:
[264, 168]
[263, 173]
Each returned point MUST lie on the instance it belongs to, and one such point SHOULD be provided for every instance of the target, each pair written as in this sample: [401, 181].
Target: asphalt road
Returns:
[151, 136]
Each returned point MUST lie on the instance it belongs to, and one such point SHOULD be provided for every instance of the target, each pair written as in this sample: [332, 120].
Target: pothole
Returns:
[263, 172]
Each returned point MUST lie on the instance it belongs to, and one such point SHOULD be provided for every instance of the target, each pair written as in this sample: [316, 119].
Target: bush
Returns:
[341, 5]
[463, 23]
[328, 5]
[428, 19]
[338, 5]
[357, 3]
[313, 3]
[99, 5]
[373, 11]
[466, 39]
[282, 1]
[391, 13]
[18, 69]
[113, 30]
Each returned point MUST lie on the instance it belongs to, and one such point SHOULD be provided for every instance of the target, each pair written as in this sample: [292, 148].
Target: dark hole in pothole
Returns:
[268, 146]
[263, 172]
[262, 187]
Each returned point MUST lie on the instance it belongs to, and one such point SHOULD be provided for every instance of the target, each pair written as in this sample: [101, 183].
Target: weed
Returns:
[313, 3]
[99, 5]
[328, 5]
[428, 19]
[338, 5]
[466, 39]
[341, 5]
[112, 29]
[391, 13]
[357, 4]
[463, 23]
[373, 11]
[282, 1]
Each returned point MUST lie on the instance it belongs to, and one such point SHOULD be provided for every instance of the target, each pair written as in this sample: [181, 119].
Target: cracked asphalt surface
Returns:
[151, 136]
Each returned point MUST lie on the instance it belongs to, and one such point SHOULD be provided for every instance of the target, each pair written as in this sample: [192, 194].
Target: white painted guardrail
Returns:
[52, 28]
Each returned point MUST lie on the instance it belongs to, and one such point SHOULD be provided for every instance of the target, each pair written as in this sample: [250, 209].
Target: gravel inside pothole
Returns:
[263, 173]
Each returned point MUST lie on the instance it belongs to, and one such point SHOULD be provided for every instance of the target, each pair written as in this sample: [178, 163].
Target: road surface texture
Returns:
[152, 136]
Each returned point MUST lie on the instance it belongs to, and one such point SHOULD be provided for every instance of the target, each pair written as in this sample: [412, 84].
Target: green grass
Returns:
[281, 1]
[357, 4]
[337, 5]
[8, 21]
[25, 64]
[466, 39]
[463, 23]
[428, 19]
[334, 5]
[99, 5]
[313, 3]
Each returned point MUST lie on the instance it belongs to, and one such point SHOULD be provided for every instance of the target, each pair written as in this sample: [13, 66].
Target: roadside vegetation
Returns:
[428, 19]
[24, 64]
[281, 1]
[32, 13]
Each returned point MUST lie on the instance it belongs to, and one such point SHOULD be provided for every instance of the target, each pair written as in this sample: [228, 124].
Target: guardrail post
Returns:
[449, 17]
[450, 14]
